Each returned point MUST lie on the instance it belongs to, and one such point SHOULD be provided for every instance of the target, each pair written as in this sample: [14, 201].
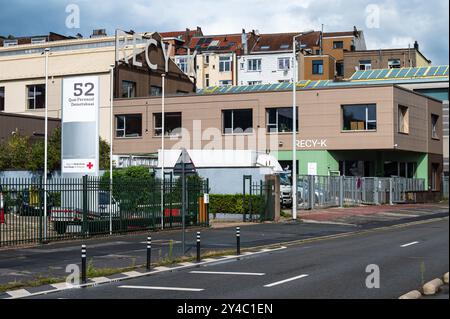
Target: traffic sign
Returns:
[184, 165]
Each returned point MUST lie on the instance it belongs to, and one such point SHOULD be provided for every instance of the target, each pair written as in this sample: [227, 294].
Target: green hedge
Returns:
[234, 204]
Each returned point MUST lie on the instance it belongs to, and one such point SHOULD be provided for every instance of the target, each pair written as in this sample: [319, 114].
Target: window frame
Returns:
[341, 45]
[320, 70]
[405, 117]
[29, 99]
[166, 116]
[277, 123]
[233, 129]
[154, 87]
[124, 129]
[286, 66]
[2, 98]
[366, 122]
[434, 127]
[225, 63]
[182, 63]
[367, 65]
[250, 65]
[390, 64]
[134, 87]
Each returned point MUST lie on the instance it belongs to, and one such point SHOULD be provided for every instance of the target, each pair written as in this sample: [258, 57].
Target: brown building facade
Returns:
[25, 125]
[362, 131]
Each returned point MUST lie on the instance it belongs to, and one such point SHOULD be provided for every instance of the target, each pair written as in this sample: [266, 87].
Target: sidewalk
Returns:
[371, 214]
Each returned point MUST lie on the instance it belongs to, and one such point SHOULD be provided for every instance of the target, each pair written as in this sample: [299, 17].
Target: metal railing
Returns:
[335, 191]
[79, 208]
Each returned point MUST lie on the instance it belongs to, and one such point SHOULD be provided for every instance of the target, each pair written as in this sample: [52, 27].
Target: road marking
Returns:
[131, 273]
[227, 273]
[410, 244]
[19, 293]
[285, 281]
[162, 288]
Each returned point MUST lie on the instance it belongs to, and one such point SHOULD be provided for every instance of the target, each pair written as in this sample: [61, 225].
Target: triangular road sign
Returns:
[186, 161]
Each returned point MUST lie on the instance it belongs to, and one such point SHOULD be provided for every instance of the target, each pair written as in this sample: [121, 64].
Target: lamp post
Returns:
[294, 124]
[163, 111]
[111, 105]
[46, 52]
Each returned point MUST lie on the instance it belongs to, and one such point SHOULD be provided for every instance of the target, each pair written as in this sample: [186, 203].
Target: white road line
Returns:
[410, 244]
[162, 288]
[285, 281]
[20, 293]
[227, 273]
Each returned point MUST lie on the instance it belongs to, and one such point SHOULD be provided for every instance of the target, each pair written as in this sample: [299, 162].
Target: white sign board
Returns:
[312, 169]
[80, 127]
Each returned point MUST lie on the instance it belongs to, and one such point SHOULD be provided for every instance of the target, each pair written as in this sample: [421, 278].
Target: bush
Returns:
[234, 204]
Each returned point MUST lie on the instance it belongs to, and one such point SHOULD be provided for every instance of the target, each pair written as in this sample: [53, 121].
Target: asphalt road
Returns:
[326, 269]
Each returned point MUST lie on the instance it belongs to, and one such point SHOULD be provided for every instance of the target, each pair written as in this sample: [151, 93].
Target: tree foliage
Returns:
[21, 153]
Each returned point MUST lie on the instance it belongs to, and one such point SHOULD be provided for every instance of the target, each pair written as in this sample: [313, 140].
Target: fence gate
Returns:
[325, 192]
[258, 200]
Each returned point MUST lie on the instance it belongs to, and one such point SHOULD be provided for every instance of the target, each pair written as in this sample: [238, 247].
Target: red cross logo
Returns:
[90, 165]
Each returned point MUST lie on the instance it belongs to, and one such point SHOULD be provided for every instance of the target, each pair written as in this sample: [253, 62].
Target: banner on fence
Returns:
[80, 127]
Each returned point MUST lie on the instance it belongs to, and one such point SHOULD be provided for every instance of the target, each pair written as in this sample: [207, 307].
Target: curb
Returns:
[94, 282]
[415, 294]
[432, 287]
[429, 289]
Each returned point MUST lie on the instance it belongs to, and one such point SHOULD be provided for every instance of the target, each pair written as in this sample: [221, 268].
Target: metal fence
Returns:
[258, 200]
[84, 207]
[335, 191]
[445, 191]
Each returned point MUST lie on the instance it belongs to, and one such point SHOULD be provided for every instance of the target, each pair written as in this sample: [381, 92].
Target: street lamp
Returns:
[46, 53]
[111, 105]
[294, 124]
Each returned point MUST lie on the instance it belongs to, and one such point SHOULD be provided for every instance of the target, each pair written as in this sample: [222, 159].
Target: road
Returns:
[334, 268]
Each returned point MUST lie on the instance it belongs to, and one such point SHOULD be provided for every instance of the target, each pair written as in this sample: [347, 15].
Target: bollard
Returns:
[238, 241]
[149, 252]
[83, 264]
[198, 247]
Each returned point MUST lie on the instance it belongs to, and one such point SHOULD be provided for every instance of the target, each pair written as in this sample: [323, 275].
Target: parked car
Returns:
[31, 202]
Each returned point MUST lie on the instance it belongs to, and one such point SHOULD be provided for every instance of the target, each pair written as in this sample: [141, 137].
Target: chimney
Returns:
[416, 45]
[244, 42]
[98, 33]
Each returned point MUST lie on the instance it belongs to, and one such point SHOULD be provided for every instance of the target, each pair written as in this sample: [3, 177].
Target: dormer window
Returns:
[10, 43]
[265, 47]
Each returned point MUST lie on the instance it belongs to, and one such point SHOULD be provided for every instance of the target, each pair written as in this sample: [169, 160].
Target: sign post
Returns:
[184, 167]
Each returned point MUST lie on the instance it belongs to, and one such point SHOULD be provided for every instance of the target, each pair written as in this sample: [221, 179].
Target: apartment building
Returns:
[11, 40]
[383, 59]
[355, 129]
[22, 75]
[270, 59]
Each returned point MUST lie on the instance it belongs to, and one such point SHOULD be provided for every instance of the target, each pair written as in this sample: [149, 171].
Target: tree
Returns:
[22, 154]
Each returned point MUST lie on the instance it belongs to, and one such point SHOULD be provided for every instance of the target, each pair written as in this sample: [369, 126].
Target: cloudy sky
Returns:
[387, 23]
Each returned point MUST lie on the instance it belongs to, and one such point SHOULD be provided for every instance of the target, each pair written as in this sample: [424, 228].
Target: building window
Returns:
[2, 99]
[254, 83]
[317, 67]
[129, 125]
[10, 43]
[284, 64]
[435, 179]
[225, 82]
[128, 89]
[284, 46]
[180, 92]
[155, 90]
[355, 168]
[400, 169]
[359, 117]
[206, 59]
[279, 120]
[38, 40]
[403, 119]
[237, 121]
[338, 45]
[254, 65]
[224, 64]
[183, 64]
[172, 124]
[394, 64]
[207, 80]
[365, 65]
[36, 96]
[434, 126]
[340, 68]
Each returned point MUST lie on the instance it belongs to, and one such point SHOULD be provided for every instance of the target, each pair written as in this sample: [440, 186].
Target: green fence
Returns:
[85, 207]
